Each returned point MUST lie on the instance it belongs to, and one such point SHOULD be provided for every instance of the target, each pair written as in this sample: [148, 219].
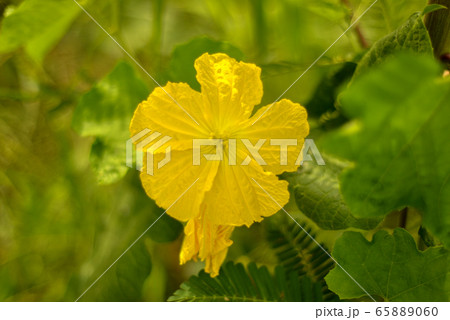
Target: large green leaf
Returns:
[181, 68]
[317, 195]
[398, 142]
[125, 279]
[37, 25]
[389, 267]
[411, 36]
[234, 283]
[105, 113]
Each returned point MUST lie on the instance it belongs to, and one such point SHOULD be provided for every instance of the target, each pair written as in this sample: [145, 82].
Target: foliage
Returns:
[105, 112]
[37, 26]
[296, 251]
[324, 97]
[298, 277]
[317, 195]
[181, 67]
[378, 111]
[125, 280]
[389, 267]
[411, 36]
[400, 152]
[389, 14]
[234, 283]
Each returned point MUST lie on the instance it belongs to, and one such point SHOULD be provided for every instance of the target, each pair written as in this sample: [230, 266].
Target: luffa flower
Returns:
[227, 193]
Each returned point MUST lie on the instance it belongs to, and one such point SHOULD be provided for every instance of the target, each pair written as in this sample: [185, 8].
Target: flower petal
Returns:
[283, 122]
[179, 186]
[230, 89]
[238, 195]
[174, 116]
[206, 241]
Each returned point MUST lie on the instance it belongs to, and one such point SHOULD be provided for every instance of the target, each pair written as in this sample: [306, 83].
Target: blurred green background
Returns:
[66, 212]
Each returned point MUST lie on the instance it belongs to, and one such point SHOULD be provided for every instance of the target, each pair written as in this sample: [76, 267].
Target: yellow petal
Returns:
[174, 116]
[207, 242]
[282, 123]
[230, 89]
[189, 249]
[238, 196]
[179, 186]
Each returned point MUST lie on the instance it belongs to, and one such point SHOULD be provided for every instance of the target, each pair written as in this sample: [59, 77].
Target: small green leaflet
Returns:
[432, 8]
[256, 284]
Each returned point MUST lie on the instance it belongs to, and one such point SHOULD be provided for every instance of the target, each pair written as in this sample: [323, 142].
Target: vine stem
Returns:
[156, 33]
[438, 25]
[259, 27]
[360, 35]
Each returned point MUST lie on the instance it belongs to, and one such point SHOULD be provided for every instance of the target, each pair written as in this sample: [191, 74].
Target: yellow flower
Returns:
[225, 195]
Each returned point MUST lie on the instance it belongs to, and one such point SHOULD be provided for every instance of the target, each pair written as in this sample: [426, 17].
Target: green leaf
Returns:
[389, 267]
[109, 105]
[37, 26]
[181, 68]
[398, 142]
[411, 36]
[234, 283]
[105, 112]
[124, 281]
[317, 195]
[432, 8]
[106, 160]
